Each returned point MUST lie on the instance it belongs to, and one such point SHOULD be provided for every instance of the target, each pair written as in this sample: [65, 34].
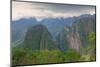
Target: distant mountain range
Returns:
[54, 25]
[52, 33]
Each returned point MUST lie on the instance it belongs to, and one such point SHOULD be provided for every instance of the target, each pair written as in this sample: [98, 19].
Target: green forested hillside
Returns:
[76, 42]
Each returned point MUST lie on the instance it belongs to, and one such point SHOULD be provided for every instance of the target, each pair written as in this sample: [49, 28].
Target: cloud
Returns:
[43, 10]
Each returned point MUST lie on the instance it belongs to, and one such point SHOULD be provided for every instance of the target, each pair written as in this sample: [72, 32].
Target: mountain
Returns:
[76, 35]
[64, 33]
[19, 27]
[54, 26]
[54, 40]
[84, 26]
[38, 38]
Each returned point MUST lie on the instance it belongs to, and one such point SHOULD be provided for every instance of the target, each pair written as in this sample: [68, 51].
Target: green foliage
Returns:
[91, 37]
[89, 50]
[23, 56]
[87, 58]
[72, 55]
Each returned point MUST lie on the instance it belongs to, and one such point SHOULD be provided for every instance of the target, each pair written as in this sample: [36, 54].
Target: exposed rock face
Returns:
[75, 36]
[69, 39]
[74, 41]
[83, 27]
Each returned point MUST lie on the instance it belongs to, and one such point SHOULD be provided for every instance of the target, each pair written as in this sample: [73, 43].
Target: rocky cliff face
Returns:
[70, 39]
[83, 27]
[74, 41]
[75, 36]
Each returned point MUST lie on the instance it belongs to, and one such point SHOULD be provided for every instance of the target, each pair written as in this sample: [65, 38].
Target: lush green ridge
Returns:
[24, 56]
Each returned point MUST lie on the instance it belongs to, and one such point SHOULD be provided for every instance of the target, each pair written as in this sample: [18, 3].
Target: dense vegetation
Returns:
[25, 56]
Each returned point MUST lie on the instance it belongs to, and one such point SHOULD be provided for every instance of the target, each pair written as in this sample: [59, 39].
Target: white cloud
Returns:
[40, 11]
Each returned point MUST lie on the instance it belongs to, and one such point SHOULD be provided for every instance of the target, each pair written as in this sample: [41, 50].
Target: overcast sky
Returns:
[43, 10]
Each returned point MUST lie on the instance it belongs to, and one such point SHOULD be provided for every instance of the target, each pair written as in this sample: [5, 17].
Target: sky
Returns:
[45, 10]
